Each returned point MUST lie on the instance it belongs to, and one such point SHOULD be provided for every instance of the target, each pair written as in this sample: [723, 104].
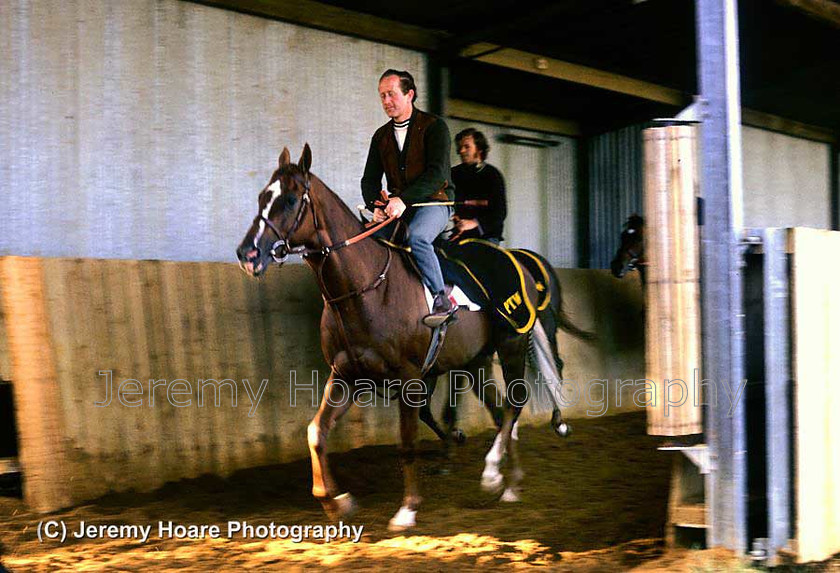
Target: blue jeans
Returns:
[424, 225]
[423, 228]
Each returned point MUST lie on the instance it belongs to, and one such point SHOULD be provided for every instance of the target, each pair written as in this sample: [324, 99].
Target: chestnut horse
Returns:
[371, 326]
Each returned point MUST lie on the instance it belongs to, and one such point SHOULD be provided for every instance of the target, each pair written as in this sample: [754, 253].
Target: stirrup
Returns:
[435, 320]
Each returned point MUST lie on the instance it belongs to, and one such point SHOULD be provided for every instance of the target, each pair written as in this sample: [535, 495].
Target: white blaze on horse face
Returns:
[275, 191]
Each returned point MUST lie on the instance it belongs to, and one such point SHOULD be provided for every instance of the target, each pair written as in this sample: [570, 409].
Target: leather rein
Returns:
[282, 248]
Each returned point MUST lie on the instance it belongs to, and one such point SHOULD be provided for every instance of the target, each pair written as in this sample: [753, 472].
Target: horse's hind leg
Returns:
[336, 401]
[512, 354]
[486, 389]
[511, 493]
[405, 517]
[549, 324]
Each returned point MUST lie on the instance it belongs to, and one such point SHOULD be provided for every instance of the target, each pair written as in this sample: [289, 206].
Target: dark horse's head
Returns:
[285, 219]
[631, 252]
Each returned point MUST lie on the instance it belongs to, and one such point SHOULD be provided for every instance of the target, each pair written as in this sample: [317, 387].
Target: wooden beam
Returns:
[771, 122]
[825, 11]
[472, 111]
[335, 19]
[537, 64]
[558, 69]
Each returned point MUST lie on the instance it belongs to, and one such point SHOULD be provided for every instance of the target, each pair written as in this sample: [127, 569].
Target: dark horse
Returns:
[371, 326]
[631, 252]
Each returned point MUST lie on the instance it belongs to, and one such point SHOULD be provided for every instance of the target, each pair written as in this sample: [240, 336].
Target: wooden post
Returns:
[46, 485]
[672, 289]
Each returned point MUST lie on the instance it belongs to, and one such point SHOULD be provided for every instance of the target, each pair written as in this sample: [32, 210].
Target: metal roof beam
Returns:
[566, 71]
[499, 31]
[558, 69]
[826, 11]
[335, 19]
[472, 111]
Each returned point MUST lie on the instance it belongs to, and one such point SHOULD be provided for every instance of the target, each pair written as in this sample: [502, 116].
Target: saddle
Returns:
[489, 275]
[492, 276]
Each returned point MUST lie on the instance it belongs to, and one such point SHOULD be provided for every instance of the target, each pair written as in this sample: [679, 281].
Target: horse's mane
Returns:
[337, 200]
[293, 169]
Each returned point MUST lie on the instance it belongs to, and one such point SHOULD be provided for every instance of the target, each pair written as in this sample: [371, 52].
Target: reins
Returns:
[283, 243]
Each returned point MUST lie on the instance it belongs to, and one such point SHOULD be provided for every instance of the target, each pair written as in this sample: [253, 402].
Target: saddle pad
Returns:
[490, 274]
[538, 267]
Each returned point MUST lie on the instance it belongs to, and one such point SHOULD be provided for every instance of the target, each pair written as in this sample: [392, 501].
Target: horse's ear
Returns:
[285, 157]
[305, 159]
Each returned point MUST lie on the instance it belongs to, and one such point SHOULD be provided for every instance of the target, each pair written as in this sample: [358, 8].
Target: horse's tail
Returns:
[563, 321]
[566, 325]
[544, 376]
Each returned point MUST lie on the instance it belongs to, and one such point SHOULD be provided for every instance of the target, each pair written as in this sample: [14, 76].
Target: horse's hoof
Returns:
[340, 507]
[492, 483]
[510, 496]
[459, 437]
[404, 519]
[563, 430]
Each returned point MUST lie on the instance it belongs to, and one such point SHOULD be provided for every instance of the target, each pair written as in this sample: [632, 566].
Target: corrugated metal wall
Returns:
[786, 184]
[145, 128]
[786, 181]
[541, 188]
[615, 189]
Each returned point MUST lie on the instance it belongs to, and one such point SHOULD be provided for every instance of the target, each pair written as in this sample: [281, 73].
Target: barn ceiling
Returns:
[790, 59]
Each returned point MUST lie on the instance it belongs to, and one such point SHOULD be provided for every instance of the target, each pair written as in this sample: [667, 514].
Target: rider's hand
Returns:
[395, 207]
[466, 224]
[379, 215]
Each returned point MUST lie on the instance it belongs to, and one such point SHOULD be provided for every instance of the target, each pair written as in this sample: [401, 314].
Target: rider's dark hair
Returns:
[406, 81]
[478, 138]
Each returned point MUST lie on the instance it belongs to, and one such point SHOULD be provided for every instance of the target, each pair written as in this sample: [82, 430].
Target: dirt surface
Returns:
[595, 501]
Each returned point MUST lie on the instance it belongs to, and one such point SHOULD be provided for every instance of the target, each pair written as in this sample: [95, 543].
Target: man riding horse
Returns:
[412, 150]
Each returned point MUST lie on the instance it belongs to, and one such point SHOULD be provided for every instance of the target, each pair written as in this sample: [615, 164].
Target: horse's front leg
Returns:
[405, 517]
[336, 401]
[426, 409]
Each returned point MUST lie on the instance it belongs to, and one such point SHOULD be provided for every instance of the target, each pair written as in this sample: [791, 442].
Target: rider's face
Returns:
[468, 151]
[396, 104]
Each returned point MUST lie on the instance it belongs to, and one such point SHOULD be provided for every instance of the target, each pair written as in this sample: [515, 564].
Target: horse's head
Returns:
[630, 253]
[285, 219]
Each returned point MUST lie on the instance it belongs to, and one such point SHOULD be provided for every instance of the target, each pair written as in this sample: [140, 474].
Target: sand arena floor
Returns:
[595, 501]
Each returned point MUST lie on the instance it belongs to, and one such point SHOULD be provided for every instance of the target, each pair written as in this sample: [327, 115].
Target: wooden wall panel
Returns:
[816, 367]
[151, 320]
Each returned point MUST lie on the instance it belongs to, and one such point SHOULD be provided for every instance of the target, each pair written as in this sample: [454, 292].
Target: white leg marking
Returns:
[403, 519]
[491, 479]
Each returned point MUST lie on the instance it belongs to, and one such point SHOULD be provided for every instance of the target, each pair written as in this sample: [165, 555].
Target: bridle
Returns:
[282, 241]
[282, 248]
[633, 262]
